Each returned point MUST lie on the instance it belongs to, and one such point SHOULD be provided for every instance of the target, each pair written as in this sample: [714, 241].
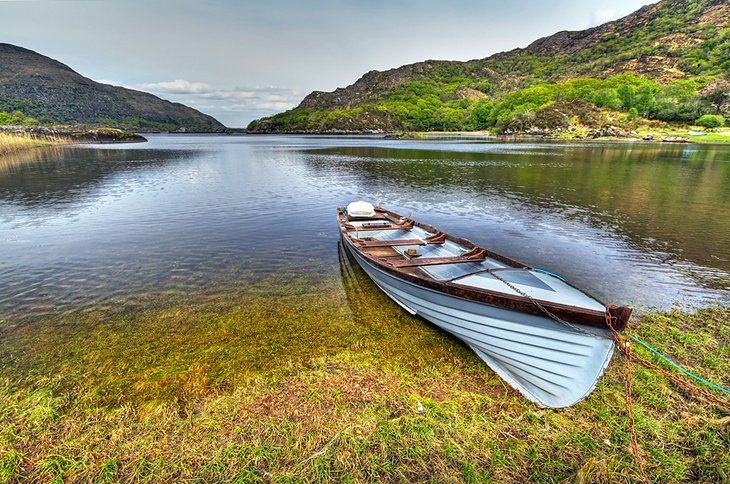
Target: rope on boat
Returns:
[677, 366]
[548, 273]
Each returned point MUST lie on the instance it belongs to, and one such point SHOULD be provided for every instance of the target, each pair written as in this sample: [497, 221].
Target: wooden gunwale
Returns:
[572, 314]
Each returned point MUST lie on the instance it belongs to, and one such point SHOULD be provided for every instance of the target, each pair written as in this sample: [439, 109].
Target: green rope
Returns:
[676, 365]
[548, 273]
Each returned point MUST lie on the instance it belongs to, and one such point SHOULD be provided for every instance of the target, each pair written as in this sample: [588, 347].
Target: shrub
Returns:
[551, 117]
[16, 118]
[710, 121]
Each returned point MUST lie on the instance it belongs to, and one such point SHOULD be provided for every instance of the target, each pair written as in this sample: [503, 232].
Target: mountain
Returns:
[661, 59]
[52, 92]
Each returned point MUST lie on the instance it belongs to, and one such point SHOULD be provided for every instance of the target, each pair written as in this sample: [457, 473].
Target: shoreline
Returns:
[718, 137]
[308, 374]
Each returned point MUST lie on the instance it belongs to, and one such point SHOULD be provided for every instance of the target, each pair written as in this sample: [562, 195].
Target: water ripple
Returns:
[106, 226]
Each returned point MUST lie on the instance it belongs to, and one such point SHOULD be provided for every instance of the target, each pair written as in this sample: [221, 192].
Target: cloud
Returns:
[233, 106]
[178, 86]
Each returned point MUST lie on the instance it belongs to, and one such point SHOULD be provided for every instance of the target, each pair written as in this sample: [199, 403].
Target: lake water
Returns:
[99, 227]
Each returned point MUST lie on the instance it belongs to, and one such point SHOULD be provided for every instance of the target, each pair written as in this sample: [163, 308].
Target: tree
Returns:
[480, 114]
[627, 94]
[606, 98]
[644, 100]
[717, 93]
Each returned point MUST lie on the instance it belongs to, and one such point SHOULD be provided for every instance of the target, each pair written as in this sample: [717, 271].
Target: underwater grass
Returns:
[293, 379]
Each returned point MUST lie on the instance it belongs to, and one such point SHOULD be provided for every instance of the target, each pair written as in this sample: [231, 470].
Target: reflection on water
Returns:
[646, 224]
[57, 175]
[626, 220]
[668, 190]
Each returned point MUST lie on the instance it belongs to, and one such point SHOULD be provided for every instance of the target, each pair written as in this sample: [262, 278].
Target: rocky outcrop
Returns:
[608, 131]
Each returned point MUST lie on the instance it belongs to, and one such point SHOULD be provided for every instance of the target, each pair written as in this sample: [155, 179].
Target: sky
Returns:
[241, 60]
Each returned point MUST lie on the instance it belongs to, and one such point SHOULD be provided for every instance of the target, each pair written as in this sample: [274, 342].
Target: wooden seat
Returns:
[380, 226]
[435, 239]
[476, 254]
[388, 243]
[377, 216]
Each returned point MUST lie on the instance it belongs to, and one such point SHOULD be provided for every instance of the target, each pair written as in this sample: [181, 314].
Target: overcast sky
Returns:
[240, 60]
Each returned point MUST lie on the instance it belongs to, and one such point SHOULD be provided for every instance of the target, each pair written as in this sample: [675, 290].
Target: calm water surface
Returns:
[96, 227]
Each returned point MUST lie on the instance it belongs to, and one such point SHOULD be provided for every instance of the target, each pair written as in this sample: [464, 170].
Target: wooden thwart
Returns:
[377, 216]
[386, 225]
[471, 256]
[388, 243]
[351, 227]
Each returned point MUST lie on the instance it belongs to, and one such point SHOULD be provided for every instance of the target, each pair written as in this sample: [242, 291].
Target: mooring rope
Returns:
[624, 345]
[625, 348]
[677, 366]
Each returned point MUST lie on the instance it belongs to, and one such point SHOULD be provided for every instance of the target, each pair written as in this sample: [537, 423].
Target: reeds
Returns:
[14, 142]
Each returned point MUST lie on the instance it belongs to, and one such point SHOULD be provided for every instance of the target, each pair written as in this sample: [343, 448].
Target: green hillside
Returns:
[669, 62]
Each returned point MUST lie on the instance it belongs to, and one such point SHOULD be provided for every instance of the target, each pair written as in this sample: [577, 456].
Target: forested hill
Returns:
[669, 61]
[48, 91]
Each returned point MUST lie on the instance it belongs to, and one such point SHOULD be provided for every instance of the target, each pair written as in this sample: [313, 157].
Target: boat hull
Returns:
[550, 363]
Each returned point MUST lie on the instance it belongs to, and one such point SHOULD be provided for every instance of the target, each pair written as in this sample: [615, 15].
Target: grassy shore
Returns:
[35, 136]
[319, 379]
[721, 135]
[13, 143]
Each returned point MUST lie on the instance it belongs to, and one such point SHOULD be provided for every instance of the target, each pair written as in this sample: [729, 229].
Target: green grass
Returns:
[317, 379]
[721, 135]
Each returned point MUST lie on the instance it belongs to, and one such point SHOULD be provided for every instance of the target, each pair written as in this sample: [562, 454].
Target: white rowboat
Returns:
[544, 337]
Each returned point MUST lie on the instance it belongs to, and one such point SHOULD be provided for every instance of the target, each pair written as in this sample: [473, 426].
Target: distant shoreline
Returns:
[661, 136]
